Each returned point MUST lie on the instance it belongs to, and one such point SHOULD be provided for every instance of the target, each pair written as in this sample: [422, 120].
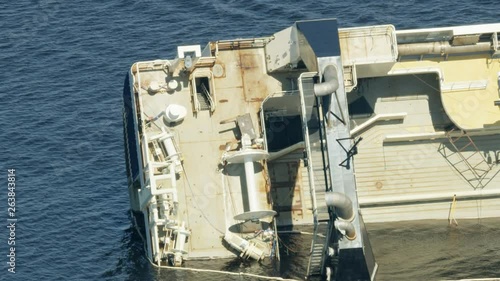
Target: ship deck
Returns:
[209, 196]
[408, 169]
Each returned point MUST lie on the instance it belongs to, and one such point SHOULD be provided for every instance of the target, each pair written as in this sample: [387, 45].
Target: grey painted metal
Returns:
[316, 38]
[307, 53]
[322, 35]
[338, 138]
[282, 52]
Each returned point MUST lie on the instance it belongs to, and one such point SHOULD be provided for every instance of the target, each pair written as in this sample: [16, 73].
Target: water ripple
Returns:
[63, 65]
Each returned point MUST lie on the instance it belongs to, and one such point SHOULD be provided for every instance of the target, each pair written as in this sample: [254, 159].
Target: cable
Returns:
[288, 248]
[201, 211]
[421, 80]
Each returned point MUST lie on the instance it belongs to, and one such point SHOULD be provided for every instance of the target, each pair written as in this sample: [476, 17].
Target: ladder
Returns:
[318, 250]
[322, 218]
[204, 98]
[472, 167]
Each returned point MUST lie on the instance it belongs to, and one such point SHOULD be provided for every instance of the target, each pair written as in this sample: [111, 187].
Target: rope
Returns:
[241, 274]
[226, 184]
[287, 248]
[151, 120]
[196, 206]
[430, 86]
[451, 215]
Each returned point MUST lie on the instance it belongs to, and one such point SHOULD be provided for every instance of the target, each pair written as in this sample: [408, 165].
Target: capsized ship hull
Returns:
[225, 144]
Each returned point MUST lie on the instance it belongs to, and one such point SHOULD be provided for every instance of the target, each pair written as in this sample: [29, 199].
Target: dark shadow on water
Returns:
[132, 265]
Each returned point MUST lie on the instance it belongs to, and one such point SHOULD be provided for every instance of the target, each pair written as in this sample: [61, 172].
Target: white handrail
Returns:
[307, 143]
[378, 117]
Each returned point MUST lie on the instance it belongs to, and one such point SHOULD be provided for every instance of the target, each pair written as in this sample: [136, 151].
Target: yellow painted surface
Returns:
[468, 109]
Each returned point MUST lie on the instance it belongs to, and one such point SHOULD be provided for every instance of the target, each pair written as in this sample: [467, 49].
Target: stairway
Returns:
[203, 98]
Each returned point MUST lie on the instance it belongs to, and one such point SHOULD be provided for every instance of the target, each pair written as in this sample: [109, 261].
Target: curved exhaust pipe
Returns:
[342, 205]
[330, 84]
[346, 228]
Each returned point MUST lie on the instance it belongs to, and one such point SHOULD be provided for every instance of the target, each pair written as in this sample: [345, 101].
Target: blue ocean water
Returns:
[63, 65]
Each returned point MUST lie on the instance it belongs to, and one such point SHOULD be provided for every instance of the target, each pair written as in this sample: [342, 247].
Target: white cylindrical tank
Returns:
[175, 113]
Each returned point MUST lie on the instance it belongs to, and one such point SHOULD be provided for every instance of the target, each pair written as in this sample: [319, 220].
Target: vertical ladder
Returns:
[321, 219]
[474, 164]
[496, 44]
[318, 250]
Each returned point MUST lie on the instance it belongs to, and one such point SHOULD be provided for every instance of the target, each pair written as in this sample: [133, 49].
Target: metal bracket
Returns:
[353, 150]
[338, 118]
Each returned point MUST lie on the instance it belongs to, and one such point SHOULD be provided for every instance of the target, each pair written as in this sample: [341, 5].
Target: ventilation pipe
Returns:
[285, 151]
[330, 84]
[341, 203]
[346, 228]
[441, 48]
